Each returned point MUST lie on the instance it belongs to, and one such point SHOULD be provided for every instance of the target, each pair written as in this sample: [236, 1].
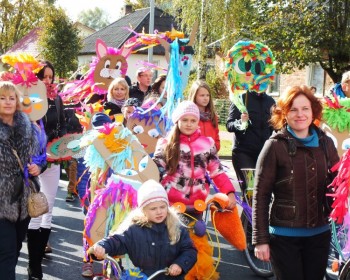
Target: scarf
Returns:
[204, 116]
[119, 103]
[310, 141]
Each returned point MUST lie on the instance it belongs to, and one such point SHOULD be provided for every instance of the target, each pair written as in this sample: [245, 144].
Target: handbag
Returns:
[37, 201]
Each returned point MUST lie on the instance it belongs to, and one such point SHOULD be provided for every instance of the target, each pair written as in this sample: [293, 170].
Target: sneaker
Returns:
[86, 270]
[70, 197]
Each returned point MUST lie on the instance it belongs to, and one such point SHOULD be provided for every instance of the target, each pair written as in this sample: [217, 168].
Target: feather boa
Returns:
[118, 198]
[336, 113]
[341, 185]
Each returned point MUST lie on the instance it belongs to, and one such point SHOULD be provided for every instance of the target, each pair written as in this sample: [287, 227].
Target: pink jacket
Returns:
[197, 156]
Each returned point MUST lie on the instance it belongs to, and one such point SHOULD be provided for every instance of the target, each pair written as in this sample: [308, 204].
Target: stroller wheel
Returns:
[345, 271]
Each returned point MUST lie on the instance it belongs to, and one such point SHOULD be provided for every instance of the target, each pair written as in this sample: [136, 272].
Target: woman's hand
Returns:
[262, 252]
[174, 270]
[33, 169]
[244, 117]
[99, 251]
[232, 200]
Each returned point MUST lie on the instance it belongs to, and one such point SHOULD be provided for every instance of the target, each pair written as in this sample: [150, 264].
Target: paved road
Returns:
[66, 239]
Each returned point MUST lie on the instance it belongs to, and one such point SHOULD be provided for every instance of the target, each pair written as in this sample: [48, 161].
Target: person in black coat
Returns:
[248, 142]
[118, 92]
[55, 126]
[152, 236]
[143, 86]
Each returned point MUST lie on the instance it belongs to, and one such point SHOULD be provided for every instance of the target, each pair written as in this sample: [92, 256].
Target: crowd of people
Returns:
[281, 142]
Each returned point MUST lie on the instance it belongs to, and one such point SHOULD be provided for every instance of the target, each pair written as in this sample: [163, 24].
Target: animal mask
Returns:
[111, 64]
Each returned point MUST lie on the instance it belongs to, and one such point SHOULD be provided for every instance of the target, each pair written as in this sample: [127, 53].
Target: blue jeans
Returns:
[11, 238]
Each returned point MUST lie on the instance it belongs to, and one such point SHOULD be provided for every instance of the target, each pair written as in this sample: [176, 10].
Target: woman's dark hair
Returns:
[47, 64]
[157, 83]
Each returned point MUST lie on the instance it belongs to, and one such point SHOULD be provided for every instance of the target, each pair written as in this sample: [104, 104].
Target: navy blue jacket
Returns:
[150, 249]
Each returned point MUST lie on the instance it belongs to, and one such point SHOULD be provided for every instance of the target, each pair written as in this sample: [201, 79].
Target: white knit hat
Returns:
[185, 108]
[151, 191]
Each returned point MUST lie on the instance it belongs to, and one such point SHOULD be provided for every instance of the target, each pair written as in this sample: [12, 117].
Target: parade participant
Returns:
[183, 159]
[128, 108]
[143, 86]
[292, 167]
[250, 69]
[157, 90]
[73, 126]
[55, 126]
[342, 89]
[118, 92]
[16, 133]
[208, 123]
[153, 230]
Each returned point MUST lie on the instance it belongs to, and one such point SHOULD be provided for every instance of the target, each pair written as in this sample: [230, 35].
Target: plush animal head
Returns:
[111, 64]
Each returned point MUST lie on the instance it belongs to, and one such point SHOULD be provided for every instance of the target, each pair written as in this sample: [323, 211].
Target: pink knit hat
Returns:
[185, 108]
[151, 191]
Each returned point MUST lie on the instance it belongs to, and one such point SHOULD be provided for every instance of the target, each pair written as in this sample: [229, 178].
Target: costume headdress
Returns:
[250, 66]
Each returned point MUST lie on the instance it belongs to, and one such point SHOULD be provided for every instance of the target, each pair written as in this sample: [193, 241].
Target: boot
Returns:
[36, 242]
[34, 263]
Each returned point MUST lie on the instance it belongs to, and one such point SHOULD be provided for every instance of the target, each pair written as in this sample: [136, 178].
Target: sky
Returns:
[74, 7]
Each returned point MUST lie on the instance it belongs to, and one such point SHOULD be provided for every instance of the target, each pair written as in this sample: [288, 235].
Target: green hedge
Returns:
[222, 107]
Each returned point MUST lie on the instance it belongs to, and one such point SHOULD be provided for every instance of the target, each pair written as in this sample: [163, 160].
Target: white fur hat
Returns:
[151, 191]
[185, 108]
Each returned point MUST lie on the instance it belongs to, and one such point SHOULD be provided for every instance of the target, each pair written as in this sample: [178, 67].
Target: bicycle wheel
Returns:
[260, 268]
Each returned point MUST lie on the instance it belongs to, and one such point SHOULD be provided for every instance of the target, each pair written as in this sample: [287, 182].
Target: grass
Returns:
[225, 145]
[225, 148]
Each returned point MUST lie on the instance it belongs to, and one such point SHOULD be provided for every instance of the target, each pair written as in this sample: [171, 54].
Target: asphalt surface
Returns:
[66, 240]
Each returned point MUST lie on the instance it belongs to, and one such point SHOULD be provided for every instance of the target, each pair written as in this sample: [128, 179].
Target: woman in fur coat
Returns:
[18, 133]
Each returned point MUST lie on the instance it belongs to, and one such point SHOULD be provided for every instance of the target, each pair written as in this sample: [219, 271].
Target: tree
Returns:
[304, 32]
[60, 42]
[95, 18]
[17, 18]
[219, 21]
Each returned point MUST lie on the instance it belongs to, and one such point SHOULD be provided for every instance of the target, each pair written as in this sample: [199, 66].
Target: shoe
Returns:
[48, 249]
[86, 270]
[70, 197]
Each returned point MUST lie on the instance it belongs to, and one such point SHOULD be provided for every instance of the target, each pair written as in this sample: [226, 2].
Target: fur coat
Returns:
[23, 138]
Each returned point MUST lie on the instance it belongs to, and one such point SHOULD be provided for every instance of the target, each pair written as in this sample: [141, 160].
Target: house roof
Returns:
[115, 34]
[27, 44]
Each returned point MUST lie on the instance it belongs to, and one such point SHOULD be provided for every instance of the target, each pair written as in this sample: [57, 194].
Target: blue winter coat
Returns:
[150, 249]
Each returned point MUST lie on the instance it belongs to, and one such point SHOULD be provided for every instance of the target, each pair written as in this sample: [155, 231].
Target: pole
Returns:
[200, 48]
[151, 28]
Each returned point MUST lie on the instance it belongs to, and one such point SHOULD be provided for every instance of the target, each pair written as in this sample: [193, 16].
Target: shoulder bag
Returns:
[37, 202]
